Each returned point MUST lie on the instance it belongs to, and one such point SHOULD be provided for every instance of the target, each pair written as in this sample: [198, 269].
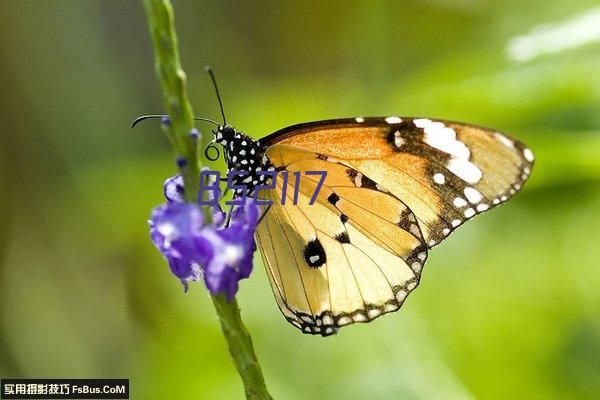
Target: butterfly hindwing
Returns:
[338, 260]
[445, 172]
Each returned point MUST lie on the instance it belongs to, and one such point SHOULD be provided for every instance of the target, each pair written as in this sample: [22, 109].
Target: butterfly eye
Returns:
[228, 130]
[225, 132]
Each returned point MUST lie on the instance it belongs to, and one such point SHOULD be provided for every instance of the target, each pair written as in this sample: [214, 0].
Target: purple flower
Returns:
[221, 252]
[175, 230]
[173, 189]
[233, 248]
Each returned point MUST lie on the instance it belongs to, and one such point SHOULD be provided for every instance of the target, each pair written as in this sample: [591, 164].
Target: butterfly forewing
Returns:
[445, 172]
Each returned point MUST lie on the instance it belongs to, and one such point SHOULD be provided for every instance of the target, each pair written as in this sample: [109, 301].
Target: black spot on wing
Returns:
[361, 180]
[342, 237]
[402, 135]
[405, 220]
[314, 254]
[333, 198]
[368, 183]
[343, 218]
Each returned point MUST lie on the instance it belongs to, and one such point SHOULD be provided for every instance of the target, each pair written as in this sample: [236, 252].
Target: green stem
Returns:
[240, 348]
[173, 88]
[174, 92]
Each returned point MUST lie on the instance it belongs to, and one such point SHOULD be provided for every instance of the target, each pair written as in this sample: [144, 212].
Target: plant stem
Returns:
[174, 92]
[173, 88]
[240, 348]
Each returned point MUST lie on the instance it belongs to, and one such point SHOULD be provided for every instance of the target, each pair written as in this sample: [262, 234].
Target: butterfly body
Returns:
[395, 187]
[242, 153]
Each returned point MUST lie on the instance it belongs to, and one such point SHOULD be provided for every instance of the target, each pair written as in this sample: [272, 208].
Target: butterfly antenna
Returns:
[157, 116]
[214, 81]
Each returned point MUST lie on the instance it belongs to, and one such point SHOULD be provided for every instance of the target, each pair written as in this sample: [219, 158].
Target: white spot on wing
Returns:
[414, 229]
[469, 212]
[359, 119]
[380, 188]
[465, 170]
[398, 140]
[442, 138]
[401, 295]
[473, 195]
[360, 317]
[506, 141]
[416, 267]
[421, 122]
[440, 179]
[358, 180]
[459, 202]
[393, 120]
[528, 155]
[482, 207]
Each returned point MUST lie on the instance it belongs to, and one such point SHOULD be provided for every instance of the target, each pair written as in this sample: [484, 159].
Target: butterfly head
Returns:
[224, 134]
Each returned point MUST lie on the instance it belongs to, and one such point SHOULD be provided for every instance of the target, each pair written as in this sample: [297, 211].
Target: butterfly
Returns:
[394, 188]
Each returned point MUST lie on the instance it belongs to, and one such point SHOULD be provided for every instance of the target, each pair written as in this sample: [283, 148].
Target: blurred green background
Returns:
[509, 306]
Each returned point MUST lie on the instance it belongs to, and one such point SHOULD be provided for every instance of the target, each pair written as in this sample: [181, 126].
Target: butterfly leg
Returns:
[228, 216]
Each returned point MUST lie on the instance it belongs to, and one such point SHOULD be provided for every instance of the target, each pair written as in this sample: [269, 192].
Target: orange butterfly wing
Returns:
[395, 186]
[446, 172]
